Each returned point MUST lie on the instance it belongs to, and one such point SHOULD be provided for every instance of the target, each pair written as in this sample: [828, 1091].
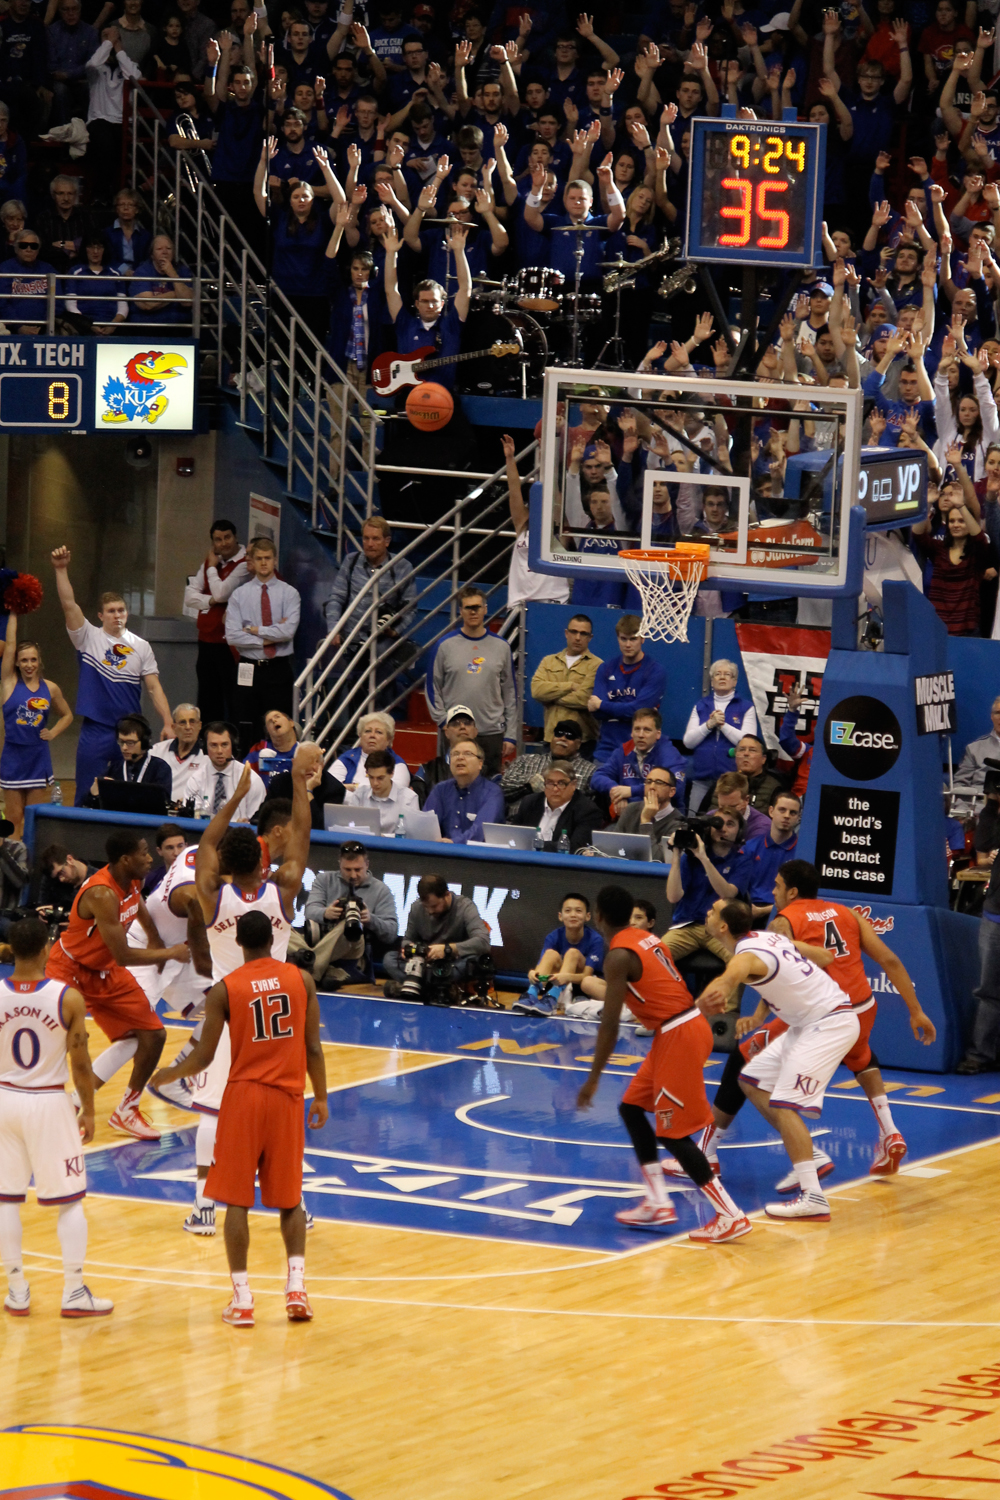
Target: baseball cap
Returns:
[884, 331]
[424, 10]
[821, 289]
[568, 729]
[778, 22]
[457, 712]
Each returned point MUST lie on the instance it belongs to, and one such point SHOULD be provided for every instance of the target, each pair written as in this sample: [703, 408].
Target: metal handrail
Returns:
[289, 386]
[320, 686]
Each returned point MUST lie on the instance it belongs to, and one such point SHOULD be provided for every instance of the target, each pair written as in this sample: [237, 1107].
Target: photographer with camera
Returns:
[60, 875]
[699, 876]
[345, 908]
[446, 941]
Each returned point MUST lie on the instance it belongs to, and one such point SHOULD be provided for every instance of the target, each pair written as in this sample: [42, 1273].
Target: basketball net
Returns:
[667, 580]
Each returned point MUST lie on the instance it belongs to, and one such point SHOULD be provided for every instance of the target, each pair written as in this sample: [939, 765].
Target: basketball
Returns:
[429, 406]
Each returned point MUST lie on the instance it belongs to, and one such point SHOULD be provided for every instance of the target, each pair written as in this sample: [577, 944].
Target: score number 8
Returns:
[777, 216]
[59, 400]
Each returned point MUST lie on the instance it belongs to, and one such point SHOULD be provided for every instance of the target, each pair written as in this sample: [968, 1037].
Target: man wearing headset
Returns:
[137, 761]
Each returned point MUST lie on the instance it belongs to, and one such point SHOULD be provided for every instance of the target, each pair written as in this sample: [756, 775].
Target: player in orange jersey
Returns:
[94, 956]
[834, 937]
[273, 1018]
[670, 1084]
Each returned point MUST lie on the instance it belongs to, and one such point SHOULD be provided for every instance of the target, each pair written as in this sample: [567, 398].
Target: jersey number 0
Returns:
[267, 1025]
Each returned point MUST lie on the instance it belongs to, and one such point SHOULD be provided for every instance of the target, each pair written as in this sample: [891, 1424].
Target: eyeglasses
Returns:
[28, 245]
[473, 609]
[352, 851]
[658, 781]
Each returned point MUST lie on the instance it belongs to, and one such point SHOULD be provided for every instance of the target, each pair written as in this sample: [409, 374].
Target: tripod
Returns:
[614, 347]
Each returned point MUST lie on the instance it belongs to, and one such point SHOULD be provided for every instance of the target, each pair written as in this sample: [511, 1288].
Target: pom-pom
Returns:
[23, 594]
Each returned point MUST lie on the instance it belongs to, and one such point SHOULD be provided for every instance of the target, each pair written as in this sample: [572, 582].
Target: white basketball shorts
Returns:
[796, 1068]
[39, 1137]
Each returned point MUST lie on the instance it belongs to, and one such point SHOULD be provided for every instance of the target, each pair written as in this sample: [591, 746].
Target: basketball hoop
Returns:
[667, 579]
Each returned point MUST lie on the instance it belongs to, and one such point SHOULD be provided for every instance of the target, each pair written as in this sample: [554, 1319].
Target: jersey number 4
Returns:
[267, 1025]
[833, 941]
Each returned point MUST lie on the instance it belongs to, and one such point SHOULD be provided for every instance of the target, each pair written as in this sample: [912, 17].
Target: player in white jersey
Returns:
[182, 985]
[788, 1079]
[42, 1023]
[230, 880]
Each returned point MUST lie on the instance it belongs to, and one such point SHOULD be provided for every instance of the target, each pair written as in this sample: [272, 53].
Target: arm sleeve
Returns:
[235, 634]
[654, 684]
[222, 588]
[436, 704]
[493, 810]
[984, 308]
[788, 739]
[408, 597]
[478, 939]
[384, 923]
[509, 691]
[987, 407]
[695, 732]
[873, 385]
[734, 733]
[574, 514]
[334, 606]
[318, 899]
[609, 774]
[947, 430]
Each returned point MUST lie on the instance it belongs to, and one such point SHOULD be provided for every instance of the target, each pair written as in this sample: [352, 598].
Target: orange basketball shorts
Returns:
[670, 1084]
[261, 1133]
[114, 997]
[860, 1055]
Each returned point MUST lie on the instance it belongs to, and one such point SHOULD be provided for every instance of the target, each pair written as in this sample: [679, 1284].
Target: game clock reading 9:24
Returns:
[756, 192]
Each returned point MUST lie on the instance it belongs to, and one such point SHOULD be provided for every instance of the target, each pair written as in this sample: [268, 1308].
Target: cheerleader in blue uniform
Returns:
[26, 763]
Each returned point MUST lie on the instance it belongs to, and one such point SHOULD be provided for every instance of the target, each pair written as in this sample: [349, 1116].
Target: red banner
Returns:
[776, 658]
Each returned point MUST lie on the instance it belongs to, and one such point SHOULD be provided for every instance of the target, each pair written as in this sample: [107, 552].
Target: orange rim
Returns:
[689, 559]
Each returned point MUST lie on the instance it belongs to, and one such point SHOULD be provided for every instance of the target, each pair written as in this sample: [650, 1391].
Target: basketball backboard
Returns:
[764, 473]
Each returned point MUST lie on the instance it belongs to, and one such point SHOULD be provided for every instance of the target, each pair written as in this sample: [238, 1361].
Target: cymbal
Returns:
[579, 229]
[614, 265]
[483, 280]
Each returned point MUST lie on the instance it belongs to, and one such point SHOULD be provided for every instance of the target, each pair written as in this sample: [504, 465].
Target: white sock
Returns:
[115, 1057]
[721, 1201]
[10, 1247]
[72, 1230]
[296, 1274]
[709, 1142]
[204, 1155]
[656, 1187]
[130, 1100]
[886, 1124]
[808, 1177]
[241, 1287]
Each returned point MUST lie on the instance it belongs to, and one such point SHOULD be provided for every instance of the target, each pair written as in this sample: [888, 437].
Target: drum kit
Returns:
[546, 313]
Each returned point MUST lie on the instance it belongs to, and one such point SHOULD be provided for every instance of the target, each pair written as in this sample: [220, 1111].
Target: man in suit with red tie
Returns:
[261, 620]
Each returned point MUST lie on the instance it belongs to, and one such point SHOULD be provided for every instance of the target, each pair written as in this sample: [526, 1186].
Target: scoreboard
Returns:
[85, 385]
[755, 193]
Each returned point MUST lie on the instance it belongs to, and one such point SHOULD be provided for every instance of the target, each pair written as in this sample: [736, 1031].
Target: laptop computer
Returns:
[362, 819]
[508, 836]
[131, 797]
[624, 845]
[422, 825]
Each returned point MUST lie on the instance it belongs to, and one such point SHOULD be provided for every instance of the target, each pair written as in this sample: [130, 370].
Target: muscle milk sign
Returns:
[935, 703]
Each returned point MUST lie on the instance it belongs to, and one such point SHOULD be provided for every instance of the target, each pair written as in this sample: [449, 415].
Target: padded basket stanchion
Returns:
[667, 579]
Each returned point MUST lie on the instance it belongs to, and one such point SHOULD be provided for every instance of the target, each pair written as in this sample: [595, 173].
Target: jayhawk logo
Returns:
[32, 711]
[94, 1463]
[117, 655]
[476, 666]
[140, 395]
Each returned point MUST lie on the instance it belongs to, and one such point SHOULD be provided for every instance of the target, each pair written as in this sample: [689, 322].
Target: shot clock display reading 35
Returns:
[756, 192]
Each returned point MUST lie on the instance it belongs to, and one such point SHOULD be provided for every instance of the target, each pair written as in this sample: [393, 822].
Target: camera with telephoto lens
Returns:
[353, 929]
[56, 918]
[688, 832]
[431, 981]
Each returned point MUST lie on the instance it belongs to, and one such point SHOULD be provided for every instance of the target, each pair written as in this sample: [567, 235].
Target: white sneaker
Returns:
[201, 1220]
[646, 1215]
[129, 1120]
[809, 1206]
[83, 1304]
[18, 1304]
[177, 1093]
[790, 1182]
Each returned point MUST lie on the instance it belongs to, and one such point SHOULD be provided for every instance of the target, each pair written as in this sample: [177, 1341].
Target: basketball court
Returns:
[484, 1327]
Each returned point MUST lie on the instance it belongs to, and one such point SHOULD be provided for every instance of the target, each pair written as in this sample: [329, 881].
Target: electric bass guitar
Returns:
[392, 371]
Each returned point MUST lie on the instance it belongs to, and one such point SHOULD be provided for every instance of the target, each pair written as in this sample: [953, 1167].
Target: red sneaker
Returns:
[721, 1229]
[646, 1215]
[297, 1307]
[238, 1314]
[891, 1150]
[130, 1120]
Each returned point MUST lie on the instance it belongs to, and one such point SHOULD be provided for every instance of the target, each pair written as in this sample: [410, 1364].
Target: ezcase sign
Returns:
[862, 738]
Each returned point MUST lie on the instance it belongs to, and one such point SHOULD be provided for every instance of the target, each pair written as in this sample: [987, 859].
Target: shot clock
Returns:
[755, 194]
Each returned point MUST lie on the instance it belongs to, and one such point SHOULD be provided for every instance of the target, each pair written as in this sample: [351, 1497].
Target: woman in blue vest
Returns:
[26, 762]
[375, 732]
[717, 723]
